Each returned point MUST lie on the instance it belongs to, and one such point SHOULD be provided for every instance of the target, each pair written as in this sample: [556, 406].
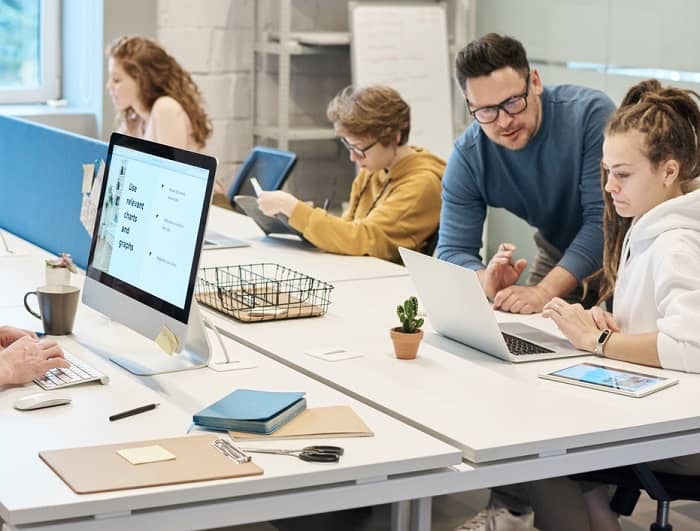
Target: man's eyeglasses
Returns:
[512, 106]
[359, 152]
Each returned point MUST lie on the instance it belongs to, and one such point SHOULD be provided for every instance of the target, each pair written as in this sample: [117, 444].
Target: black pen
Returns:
[135, 411]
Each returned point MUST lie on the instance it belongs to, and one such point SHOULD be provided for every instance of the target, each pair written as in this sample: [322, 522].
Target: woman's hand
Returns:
[577, 324]
[277, 202]
[604, 319]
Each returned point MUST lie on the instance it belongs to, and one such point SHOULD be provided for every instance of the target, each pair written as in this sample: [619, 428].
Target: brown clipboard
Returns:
[101, 469]
[317, 422]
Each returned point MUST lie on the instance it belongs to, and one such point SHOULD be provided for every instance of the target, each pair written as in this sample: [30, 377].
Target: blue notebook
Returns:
[251, 411]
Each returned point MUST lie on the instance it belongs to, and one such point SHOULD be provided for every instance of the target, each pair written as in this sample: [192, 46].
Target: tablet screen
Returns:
[611, 378]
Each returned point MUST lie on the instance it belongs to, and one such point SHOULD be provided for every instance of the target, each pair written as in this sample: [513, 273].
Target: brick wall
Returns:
[213, 39]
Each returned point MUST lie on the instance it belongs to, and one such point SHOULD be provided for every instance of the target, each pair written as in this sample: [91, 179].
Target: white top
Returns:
[658, 286]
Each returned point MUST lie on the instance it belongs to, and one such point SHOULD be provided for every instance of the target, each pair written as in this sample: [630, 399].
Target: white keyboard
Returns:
[78, 372]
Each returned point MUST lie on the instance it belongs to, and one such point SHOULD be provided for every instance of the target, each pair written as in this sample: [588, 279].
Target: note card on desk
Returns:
[145, 454]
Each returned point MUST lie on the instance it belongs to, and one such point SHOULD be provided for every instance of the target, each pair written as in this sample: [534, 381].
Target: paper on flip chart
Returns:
[88, 208]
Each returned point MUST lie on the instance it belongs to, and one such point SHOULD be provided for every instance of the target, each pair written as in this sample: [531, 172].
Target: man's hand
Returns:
[575, 323]
[521, 299]
[501, 272]
[10, 334]
[28, 358]
[277, 202]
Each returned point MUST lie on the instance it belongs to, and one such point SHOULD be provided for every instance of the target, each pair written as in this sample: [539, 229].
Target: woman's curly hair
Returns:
[158, 74]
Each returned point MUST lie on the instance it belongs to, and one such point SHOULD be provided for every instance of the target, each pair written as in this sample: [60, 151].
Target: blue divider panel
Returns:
[41, 177]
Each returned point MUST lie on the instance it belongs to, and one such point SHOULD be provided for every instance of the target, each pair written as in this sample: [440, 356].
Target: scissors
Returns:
[318, 454]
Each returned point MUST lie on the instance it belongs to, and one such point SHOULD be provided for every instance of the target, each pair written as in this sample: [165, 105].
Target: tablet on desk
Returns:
[270, 225]
[621, 381]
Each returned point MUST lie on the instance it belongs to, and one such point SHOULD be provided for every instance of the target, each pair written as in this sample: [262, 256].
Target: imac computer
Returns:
[145, 249]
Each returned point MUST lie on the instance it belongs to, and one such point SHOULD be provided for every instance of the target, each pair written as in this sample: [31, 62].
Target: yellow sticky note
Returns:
[146, 454]
[167, 340]
[88, 172]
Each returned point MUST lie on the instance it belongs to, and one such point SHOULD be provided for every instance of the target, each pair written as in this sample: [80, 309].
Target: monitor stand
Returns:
[196, 353]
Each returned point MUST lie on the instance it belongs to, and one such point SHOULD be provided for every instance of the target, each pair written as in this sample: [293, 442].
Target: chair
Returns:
[660, 486]
[270, 167]
[431, 243]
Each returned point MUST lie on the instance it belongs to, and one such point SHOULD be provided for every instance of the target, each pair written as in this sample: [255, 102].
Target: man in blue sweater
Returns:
[536, 152]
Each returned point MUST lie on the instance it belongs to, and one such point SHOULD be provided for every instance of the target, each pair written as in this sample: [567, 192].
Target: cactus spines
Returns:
[407, 315]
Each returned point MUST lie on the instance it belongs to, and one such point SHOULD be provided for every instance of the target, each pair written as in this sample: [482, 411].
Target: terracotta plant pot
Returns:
[406, 345]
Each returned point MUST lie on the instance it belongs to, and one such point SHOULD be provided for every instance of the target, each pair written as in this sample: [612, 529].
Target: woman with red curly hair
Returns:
[155, 97]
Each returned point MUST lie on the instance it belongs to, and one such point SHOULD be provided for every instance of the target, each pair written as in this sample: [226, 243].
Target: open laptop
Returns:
[457, 308]
[216, 240]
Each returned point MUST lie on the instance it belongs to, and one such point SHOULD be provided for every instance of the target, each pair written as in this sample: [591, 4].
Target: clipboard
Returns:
[100, 469]
[313, 423]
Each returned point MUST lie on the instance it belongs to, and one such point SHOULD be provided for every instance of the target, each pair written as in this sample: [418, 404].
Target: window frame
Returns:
[49, 59]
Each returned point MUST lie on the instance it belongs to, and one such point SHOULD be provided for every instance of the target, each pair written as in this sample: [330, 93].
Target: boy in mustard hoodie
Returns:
[395, 198]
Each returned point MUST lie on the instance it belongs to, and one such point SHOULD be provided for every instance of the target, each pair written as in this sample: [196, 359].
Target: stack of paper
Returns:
[252, 411]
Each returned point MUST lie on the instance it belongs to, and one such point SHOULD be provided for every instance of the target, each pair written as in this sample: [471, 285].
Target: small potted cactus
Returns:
[408, 336]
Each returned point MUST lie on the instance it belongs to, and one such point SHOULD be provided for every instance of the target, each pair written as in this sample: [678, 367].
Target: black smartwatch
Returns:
[602, 340]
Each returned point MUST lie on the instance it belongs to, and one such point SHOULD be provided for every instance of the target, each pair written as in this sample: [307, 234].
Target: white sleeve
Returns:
[677, 294]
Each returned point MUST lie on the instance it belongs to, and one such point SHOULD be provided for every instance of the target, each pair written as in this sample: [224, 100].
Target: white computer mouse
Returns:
[41, 400]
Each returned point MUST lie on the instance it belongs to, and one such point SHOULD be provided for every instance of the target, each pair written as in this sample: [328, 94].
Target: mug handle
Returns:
[26, 305]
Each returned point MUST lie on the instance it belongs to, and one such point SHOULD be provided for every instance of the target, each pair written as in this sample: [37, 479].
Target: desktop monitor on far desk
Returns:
[145, 250]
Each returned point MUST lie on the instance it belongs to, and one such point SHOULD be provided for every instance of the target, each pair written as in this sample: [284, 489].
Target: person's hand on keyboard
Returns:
[28, 358]
[10, 334]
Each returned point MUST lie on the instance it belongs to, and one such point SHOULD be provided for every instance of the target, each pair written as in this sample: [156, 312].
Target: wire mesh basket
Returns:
[262, 292]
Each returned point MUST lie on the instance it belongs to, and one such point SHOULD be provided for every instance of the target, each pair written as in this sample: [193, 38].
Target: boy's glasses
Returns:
[359, 152]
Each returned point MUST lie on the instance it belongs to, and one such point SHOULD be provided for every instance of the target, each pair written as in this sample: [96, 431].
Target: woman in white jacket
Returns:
[652, 247]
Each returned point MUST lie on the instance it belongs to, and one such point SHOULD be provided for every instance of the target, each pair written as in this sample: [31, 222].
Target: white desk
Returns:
[389, 467]
[513, 424]
[294, 254]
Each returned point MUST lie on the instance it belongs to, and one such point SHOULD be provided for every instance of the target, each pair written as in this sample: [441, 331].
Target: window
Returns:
[29, 50]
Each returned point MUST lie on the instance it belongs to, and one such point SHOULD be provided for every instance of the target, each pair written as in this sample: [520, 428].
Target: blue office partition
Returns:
[41, 177]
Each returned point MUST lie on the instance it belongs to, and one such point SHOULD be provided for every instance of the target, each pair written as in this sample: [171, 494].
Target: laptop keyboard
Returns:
[78, 372]
[520, 347]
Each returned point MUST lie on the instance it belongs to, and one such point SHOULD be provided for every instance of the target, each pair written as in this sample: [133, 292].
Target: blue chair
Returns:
[271, 167]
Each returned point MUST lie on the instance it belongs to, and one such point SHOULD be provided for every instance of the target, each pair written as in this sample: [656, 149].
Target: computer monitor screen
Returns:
[269, 166]
[148, 234]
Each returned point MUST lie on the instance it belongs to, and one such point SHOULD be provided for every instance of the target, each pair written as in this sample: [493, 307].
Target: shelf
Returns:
[296, 48]
[295, 133]
[286, 44]
[313, 38]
